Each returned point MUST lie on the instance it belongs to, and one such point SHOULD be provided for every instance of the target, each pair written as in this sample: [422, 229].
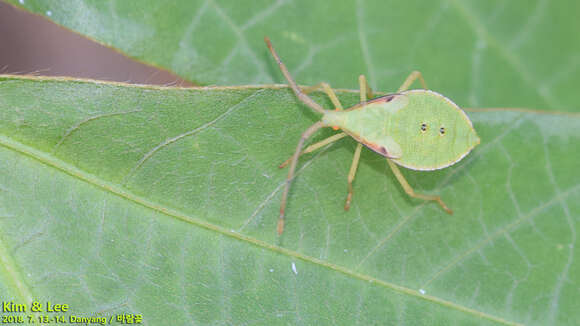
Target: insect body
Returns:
[417, 129]
[389, 125]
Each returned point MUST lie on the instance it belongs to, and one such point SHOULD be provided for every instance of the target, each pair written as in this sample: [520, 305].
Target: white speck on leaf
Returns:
[21, 2]
[271, 270]
[49, 13]
[345, 250]
[421, 291]
[294, 268]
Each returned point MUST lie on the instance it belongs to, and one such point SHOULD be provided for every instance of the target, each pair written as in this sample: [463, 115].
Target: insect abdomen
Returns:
[419, 129]
[433, 132]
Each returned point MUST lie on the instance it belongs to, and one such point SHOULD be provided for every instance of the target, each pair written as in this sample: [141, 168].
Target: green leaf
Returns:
[163, 202]
[122, 199]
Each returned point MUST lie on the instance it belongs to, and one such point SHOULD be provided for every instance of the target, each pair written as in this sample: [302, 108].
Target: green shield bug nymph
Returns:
[417, 129]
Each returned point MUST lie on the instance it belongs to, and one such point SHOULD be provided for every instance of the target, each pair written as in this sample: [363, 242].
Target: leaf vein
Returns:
[51, 161]
[172, 140]
[499, 232]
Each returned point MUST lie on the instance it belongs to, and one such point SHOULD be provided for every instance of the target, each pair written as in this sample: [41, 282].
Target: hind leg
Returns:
[410, 190]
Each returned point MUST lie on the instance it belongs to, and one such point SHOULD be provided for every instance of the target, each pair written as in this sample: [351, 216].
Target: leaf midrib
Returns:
[48, 159]
[64, 167]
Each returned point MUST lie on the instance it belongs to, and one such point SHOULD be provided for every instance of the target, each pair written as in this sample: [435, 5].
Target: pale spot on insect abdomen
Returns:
[333, 119]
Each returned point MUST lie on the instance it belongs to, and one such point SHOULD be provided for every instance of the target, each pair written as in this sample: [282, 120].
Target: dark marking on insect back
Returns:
[376, 148]
[383, 99]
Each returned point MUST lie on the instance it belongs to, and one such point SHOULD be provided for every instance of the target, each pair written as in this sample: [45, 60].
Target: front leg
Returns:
[312, 129]
[328, 90]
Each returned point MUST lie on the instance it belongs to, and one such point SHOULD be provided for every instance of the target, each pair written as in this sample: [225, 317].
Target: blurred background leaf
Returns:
[479, 53]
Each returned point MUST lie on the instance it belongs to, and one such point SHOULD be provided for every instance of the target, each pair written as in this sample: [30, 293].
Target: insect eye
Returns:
[442, 131]
[423, 127]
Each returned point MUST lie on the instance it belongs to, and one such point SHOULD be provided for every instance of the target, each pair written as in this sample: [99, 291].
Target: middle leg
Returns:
[365, 94]
[316, 146]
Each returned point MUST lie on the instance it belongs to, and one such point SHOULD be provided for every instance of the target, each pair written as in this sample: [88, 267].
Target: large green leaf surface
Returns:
[162, 201]
[123, 199]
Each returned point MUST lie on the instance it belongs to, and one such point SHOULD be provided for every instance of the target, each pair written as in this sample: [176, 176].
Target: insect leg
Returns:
[351, 175]
[365, 90]
[326, 88]
[410, 79]
[329, 92]
[406, 84]
[365, 93]
[316, 146]
[410, 190]
[303, 97]
[312, 129]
